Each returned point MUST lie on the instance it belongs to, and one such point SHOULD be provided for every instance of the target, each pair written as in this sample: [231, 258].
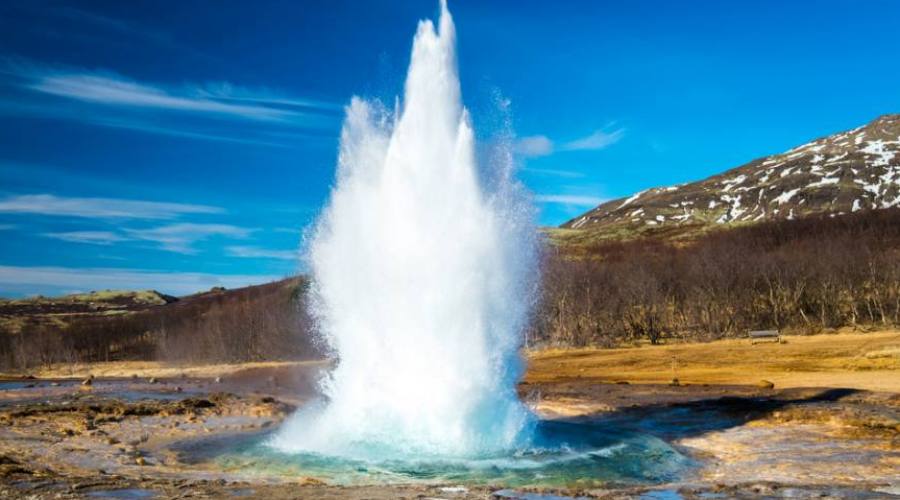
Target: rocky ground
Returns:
[118, 438]
[127, 437]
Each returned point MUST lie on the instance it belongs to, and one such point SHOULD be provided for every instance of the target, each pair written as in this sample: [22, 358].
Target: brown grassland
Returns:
[869, 361]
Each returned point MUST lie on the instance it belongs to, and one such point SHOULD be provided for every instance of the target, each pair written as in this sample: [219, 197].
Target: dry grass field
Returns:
[158, 369]
[868, 361]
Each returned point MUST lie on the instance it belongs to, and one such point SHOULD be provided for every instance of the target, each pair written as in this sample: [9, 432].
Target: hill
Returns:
[804, 275]
[14, 314]
[838, 174]
[262, 322]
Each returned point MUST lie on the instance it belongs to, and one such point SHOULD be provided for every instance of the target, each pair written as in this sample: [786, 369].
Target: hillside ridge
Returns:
[841, 173]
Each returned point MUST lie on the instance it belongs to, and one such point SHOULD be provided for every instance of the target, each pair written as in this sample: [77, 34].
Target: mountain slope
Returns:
[842, 173]
[267, 321]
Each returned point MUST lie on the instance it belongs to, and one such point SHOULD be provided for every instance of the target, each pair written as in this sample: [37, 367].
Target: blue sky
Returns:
[182, 145]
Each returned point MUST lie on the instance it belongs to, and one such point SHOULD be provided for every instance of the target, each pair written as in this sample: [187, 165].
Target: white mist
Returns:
[423, 278]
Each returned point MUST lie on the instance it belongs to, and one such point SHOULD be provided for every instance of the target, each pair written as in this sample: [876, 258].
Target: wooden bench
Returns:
[764, 335]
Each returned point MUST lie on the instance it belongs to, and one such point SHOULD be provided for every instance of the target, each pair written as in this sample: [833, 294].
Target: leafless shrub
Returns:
[805, 275]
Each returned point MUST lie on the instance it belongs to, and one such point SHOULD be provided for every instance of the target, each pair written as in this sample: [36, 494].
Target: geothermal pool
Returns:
[215, 438]
[564, 454]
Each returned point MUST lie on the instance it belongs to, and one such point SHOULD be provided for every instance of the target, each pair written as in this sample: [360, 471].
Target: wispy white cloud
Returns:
[569, 174]
[91, 237]
[181, 237]
[535, 145]
[149, 124]
[598, 140]
[541, 145]
[226, 91]
[570, 199]
[109, 99]
[175, 131]
[262, 253]
[100, 208]
[114, 90]
[175, 283]
[175, 237]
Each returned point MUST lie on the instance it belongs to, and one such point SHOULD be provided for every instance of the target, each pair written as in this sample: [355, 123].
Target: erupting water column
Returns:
[423, 270]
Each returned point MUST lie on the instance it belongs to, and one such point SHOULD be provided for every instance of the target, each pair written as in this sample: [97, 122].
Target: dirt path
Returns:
[869, 361]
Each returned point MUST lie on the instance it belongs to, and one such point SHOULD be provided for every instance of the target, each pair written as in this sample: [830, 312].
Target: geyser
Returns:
[423, 268]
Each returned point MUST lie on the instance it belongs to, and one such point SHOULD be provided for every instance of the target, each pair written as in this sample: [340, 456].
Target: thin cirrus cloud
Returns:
[251, 252]
[175, 283]
[91, 237]
[179, 238]
[228, 92]
[114, 90]
[553, 172]
[144, 126]
[182, 237]
[541, 145]
[99, 208]
[535, 145]
[569, 199]
[598, 140]
[106, 98]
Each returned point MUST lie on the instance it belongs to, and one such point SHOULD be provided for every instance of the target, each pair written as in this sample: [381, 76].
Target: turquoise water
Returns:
[562, 454]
